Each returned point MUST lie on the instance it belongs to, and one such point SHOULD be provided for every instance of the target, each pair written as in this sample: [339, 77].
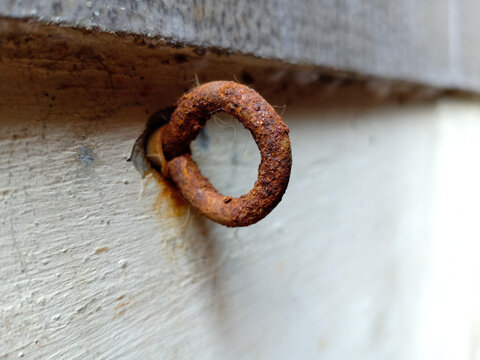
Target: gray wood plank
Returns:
[430, 41]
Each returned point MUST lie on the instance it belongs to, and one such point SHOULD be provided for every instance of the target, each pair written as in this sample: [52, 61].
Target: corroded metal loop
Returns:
[269, 132]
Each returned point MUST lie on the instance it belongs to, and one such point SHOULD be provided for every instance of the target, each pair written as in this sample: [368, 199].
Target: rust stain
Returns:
[125, 303]
[268, 130]
[280, 268]
[101, 250]
[37, 342]
[321, 345]
[8, 324]
[121, 306]
[169, 191]
[169, 202]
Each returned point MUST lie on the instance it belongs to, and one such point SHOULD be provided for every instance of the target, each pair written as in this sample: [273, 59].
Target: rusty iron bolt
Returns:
[168, 149]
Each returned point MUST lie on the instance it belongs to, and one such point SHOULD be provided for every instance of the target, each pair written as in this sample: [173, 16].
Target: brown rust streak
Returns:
[176, 205]
[269, 132]
[125, 303]
[101, 250]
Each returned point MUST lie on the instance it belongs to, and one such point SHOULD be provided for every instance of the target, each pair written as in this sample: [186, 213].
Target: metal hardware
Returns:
[169, 150]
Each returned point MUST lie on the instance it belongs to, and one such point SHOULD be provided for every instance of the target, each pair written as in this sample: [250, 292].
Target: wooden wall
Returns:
[372, 254]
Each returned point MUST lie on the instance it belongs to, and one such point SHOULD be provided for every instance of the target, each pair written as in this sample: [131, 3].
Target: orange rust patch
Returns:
[168, 190]
[120, 297]
[101, 250]
[169, 202]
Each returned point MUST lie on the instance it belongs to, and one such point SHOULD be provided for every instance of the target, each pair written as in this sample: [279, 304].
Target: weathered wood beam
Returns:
[432, 42]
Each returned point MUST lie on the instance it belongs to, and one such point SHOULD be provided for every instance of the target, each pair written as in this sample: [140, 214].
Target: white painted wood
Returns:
[372, 254]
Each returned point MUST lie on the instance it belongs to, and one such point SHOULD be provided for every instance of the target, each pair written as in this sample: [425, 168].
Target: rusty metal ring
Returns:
[269, 132]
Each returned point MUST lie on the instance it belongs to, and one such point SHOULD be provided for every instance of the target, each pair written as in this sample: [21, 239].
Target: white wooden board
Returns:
[370, 255]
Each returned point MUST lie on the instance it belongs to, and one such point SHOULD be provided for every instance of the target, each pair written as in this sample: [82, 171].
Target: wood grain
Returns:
[432, 42]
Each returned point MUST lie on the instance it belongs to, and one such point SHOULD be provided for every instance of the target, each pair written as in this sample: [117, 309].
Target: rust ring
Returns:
[268, 130]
